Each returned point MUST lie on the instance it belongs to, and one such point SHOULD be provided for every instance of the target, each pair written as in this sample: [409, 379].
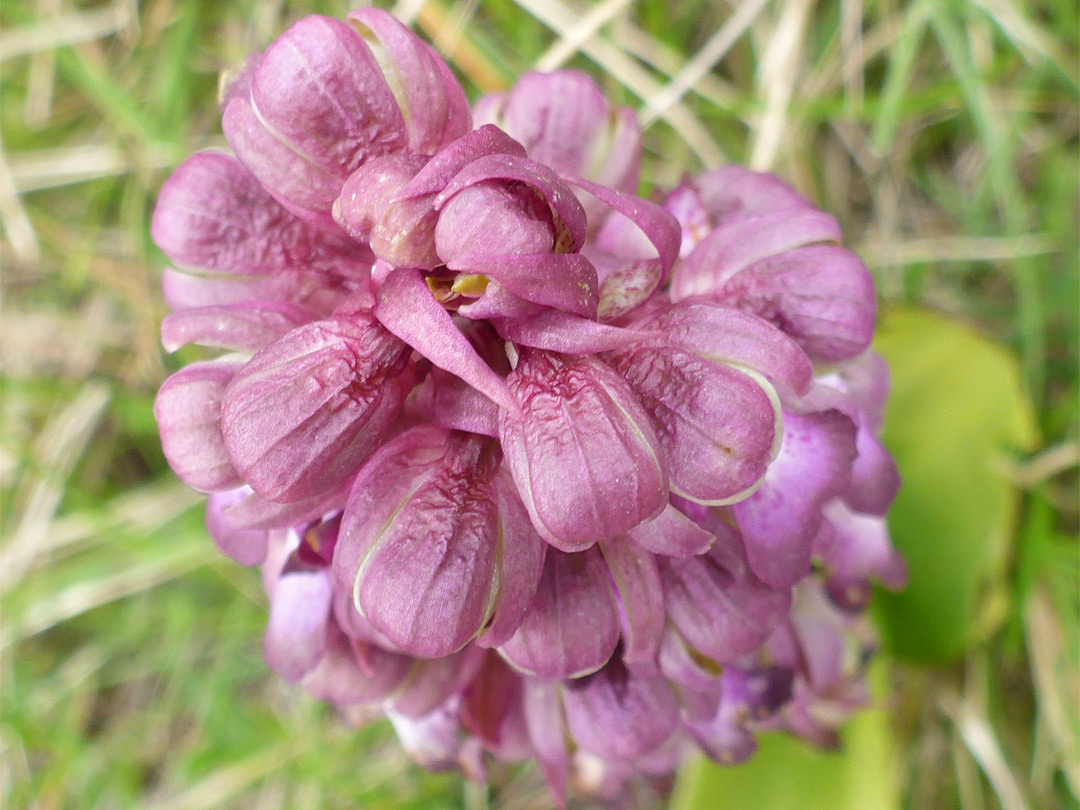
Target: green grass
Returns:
[943, 134]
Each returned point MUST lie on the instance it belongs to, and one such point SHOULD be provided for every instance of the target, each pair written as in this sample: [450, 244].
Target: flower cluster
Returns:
[541, 468]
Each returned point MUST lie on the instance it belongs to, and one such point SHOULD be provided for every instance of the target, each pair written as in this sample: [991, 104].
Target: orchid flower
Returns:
[537, 467]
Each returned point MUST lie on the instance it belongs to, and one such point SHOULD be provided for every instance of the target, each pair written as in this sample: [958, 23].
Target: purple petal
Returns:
[779, 521]
[188, 413]
[564, 121]
[723, 613]
[855, 548]
[401, 233]
[431, 683]
[498, 302]
[212, 213]
[236, 82]
[434, 177]
[343, 679]
[559, 331]
[733, 192]
[716, 425]
[246, 546]
[865, 379]
[432, 741]
[239, 327]
[492, 707]
[618, 714]
[353, 624]
[406, 307]
[733, 247]
[493, 217]
[568, 217]
[572, 625]
[565, 281]
[296, 631]
[254, 512]
[820, 295]
[694, 678]
[190, 291]
[320, 90]
[558, 117]
[686, 205]
[757, 693]
[641, 596]
[746, 696]
[672, 534]
[661, 229]
[622, 169]
[729, 336]
[423, 532]
[434, 105]
[628, 286]
[874, 477]
[303, 413]
[451, 402]
[583, 455]
[547, 730]
[302, 186]
[522, 553]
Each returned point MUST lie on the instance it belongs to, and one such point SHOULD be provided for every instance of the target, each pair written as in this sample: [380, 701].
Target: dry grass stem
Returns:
[71, 29]
[703, 61]
[623, 68]
[1057, 682]
[17, 226]
[934, 250]
[56, 451]
[777, 76]
[584, 29]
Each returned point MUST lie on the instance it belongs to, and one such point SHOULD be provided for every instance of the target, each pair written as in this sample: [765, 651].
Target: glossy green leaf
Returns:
[956, 413]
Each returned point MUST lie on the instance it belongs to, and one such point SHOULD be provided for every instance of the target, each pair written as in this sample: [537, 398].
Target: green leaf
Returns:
[956, 411]
[789, 774]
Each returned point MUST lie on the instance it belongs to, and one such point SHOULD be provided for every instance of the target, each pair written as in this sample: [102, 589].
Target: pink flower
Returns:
[540, 467]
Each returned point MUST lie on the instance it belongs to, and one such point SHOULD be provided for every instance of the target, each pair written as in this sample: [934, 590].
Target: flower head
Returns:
[544, 469]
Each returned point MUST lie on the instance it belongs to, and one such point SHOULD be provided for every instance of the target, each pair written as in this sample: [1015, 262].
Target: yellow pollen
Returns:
[470, 284]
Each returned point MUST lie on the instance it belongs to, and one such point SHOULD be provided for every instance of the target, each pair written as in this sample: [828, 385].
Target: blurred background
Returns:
[944, 136]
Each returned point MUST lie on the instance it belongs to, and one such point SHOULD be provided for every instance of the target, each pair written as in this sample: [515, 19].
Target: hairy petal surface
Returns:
[303, 413]
[432, 103]
[420, 539]
[716, 424]
[212, 213]
[583, 454]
